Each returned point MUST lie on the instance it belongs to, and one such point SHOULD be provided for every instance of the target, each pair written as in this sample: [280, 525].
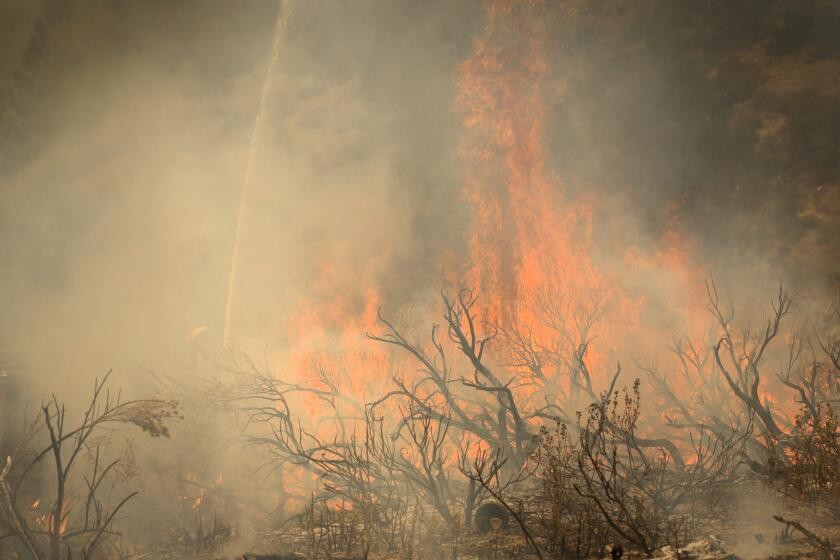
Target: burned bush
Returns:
[58, 530]
[633, 488]
[616, 472]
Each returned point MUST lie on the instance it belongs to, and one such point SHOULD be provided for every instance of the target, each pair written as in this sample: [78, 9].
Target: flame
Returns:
[47, 521]
[526, 238]
[330, 350]
[198, 499]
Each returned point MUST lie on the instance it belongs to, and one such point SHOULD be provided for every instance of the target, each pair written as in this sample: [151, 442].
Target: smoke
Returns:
[126, 132]
[126, 129]
[750, 525]
[712, 116]
[282, 17]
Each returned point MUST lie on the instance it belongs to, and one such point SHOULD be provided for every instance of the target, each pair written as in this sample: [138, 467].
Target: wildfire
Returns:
[526, 239]
[330, 350]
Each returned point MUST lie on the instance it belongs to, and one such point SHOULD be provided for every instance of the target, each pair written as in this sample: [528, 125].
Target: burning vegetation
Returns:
[463, 455]
[556, 398]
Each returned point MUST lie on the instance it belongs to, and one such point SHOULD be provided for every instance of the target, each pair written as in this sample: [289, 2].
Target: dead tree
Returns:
[477, 405]
[354, 458]
[62, 534]
[422, 461]
[366, 460]
[738, 356]
[542, 361]
[477, 401]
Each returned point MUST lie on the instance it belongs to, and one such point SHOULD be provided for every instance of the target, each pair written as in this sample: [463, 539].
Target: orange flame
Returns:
[526, 239]
[330, 349]
[198, 499]
[527, 236]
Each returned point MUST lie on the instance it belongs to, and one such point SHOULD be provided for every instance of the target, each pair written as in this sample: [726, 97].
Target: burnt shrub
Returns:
[603, 482]
[806, 463]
